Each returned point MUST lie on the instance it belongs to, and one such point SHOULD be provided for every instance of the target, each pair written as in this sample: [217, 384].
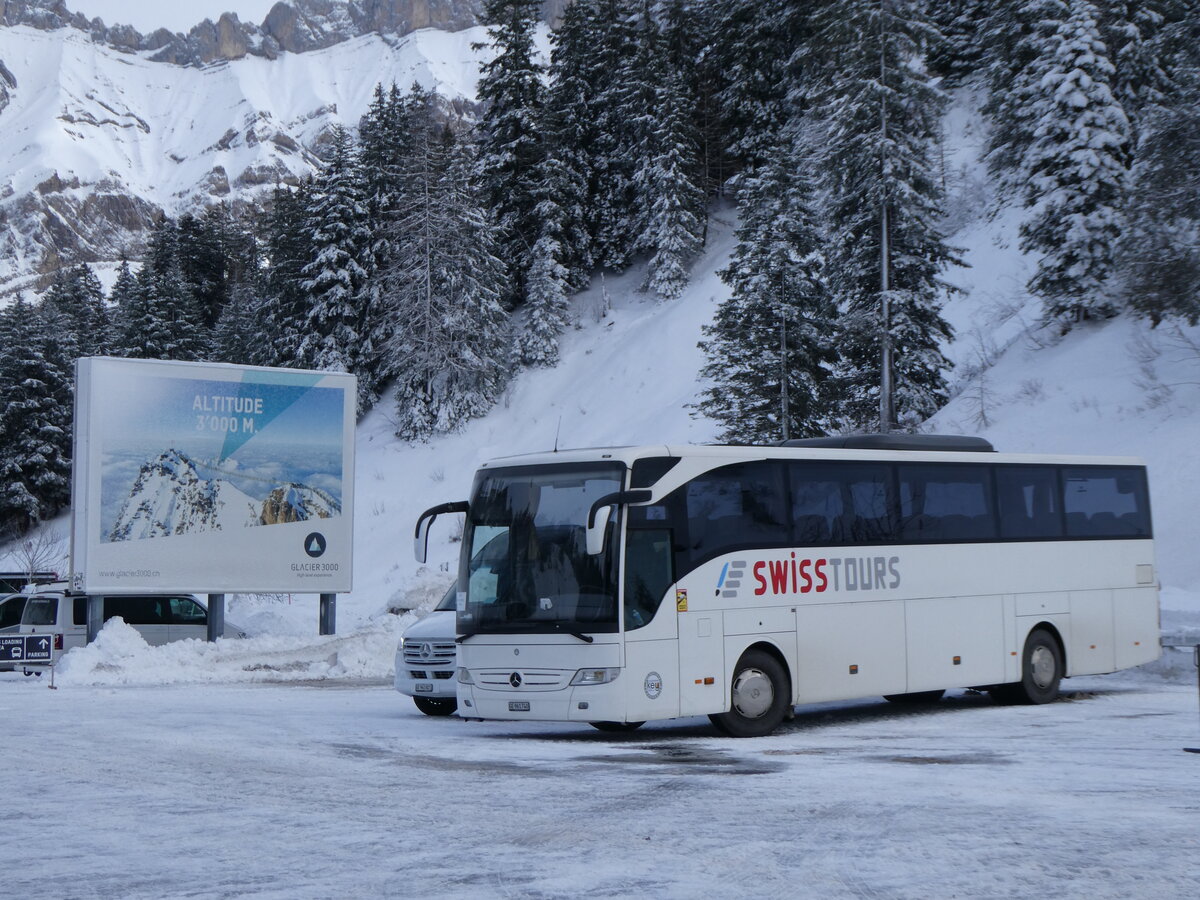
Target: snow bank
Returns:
[119, 656]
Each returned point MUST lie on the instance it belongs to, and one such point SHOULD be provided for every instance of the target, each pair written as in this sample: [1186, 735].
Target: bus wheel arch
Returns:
[760, 693]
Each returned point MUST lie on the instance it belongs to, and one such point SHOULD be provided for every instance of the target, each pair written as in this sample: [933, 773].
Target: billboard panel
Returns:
[210, 478]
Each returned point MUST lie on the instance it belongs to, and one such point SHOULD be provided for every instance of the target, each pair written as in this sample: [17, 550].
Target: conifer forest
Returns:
[435, 251]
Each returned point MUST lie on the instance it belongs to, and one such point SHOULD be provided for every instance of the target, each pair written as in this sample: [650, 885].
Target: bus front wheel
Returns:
[1041, 671]
[758, 697]
[436, 706]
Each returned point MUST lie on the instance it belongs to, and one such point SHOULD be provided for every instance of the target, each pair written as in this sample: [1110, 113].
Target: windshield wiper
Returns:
[586, 638]
[465, 637]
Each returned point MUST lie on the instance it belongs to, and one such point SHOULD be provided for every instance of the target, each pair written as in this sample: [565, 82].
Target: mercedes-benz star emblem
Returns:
[515, 679]
[426, 650]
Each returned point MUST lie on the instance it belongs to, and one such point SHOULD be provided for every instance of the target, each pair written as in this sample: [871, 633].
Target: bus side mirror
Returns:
[597, 523]
[421, 535]
[596, 530]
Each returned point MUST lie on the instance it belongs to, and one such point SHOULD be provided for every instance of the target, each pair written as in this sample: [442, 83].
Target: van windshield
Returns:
[41, 611]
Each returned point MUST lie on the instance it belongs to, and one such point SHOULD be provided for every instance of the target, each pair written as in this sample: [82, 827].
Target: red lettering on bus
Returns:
[762, 582]
[779, 576]
[822, 581]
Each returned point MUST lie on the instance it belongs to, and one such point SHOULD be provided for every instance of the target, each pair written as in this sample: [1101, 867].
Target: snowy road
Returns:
[292, 791]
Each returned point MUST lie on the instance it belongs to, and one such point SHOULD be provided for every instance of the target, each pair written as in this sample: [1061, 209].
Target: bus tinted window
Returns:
[736, 506]
[840, 503]
[946, 503]
[1106, 502]
[1028, 501]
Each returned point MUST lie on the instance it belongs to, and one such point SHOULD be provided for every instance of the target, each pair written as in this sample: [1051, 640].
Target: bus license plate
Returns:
[424, 688]
[518, 706]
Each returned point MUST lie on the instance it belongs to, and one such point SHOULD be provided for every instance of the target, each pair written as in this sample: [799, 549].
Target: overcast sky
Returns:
[175, 15]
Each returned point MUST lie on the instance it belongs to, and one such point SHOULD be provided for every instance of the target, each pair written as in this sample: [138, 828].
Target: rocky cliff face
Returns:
[292, 26]
[103, 129]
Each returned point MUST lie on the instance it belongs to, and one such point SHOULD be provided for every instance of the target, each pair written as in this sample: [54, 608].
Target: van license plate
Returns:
[518, 706]
[424, 688]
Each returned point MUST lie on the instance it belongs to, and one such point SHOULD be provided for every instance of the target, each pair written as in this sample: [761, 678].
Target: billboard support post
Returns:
[95, 616]
[328, 613]
[216, 616]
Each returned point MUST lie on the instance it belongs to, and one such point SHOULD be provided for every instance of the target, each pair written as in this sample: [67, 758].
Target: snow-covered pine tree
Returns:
[35, 418]
[959, 57]
[769, 346]
[120, 297]
[1075, 171]
[748, 54]
[283, 312]
[481, 362]
[671, 182]
[237, 338]
[880, 114]
[608, 64]
[1160, 258]
[1129, 29]
[336, 229]
[1015, 36]
[511, 147]
[384, 143]
[78, 296]
[451, 346]
[161, 320]
[569, 133]
[547, 306]
[203, 255]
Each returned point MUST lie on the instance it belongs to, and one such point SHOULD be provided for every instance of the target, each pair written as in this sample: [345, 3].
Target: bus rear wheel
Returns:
[1041, 672]
[758, 697]
[436, 706]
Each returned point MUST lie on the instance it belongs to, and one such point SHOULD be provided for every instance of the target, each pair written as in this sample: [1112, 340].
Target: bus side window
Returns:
[1028, 502]
[735, 507]
[1106, 502]
[946, 503]
[649, 574]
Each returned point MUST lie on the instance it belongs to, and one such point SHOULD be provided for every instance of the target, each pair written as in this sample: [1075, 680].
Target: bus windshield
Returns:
[528, 569]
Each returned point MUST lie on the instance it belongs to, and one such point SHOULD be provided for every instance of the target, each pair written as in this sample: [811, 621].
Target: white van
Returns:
[427, 660]
[158, 618]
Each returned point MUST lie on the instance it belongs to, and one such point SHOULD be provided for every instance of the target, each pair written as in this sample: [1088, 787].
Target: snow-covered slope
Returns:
[94, 141]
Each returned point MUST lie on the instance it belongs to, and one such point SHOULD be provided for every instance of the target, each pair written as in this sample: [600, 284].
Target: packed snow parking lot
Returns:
[343, 789]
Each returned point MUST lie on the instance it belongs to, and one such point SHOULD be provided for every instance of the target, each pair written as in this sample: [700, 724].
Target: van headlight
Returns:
[595, 676]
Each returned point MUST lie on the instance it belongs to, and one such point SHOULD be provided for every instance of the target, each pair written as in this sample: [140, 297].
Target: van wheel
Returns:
[758, 697]
[1041, 672]
[915, 698]
[616, 726]
[436, 706]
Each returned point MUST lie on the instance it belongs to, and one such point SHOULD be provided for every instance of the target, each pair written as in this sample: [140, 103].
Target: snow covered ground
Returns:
[284, 765]
[343, 789]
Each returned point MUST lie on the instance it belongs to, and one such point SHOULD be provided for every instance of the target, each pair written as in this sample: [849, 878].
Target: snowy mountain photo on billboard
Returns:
[195, 464]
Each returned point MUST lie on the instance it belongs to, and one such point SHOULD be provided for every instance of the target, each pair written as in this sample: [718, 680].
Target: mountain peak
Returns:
[292, 26]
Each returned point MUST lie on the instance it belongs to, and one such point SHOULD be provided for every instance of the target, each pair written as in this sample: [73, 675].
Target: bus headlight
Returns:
[595, 676]
[464, 676]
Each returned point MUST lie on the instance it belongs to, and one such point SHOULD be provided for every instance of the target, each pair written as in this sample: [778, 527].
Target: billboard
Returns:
[211, 478]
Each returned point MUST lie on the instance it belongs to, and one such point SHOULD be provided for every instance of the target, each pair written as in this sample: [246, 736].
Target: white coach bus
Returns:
[616, 586]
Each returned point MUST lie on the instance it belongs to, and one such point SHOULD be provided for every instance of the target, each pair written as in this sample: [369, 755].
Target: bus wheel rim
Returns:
[753, 693]
[1041, 663]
